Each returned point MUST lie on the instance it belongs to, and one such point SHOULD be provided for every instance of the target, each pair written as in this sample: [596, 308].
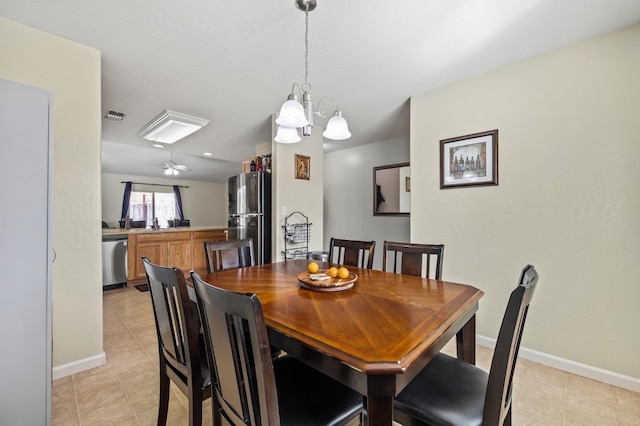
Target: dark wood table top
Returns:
[381, 325]
[374, 337]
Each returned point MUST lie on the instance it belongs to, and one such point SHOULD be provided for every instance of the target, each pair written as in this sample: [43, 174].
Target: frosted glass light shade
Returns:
[292, 115]
[171, 171]
[287, 135]
[337, 128]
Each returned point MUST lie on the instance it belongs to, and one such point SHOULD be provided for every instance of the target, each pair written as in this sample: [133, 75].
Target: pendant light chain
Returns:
[296, 116]
[306, 47]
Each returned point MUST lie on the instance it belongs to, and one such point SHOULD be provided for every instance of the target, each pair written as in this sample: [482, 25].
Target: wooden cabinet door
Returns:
[156, 252]
[179, 255]
[184, 250]
[199, 256]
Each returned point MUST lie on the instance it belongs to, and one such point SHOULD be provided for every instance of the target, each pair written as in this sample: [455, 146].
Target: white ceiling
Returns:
[234, 62]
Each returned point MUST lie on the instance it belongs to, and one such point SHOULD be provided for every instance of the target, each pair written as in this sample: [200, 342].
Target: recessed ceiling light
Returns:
[157, 145]
[208, 153]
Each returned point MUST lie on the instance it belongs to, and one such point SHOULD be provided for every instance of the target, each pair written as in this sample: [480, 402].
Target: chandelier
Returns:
[295, 115]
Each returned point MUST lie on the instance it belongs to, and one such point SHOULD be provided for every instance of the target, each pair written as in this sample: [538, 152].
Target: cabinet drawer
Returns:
[163, 237]
[220, 235]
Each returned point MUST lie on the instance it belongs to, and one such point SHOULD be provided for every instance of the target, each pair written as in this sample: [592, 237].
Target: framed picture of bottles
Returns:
[470, 160]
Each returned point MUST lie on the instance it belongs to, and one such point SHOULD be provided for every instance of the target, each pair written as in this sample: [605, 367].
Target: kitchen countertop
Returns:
[153, 231]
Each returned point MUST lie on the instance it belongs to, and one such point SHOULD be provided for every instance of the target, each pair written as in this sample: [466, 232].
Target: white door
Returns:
[25, 255]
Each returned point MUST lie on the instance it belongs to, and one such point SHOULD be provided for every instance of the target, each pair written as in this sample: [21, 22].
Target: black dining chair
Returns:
[413, 259]
[180, 344]
[352, 252]
[452, 392]
[233, 254]
[250, 388]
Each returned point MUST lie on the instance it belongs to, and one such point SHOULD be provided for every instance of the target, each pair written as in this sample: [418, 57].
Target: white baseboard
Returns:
[595, 373]
[77, 366]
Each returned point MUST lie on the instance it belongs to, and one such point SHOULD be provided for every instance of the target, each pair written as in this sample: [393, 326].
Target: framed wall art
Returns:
[470, 160]
[302, 167]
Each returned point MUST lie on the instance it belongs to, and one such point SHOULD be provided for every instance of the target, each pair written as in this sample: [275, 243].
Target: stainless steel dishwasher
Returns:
[114, 261]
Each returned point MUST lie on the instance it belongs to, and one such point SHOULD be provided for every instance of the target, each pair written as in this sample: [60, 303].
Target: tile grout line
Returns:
[615, 400]
[566, 394]
[75, 398]
[172, 389]
[126, 394]
[150, 360]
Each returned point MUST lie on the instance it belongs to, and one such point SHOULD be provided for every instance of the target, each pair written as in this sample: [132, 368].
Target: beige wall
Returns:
[72, 73]
[568, 200]
[348, 195]
[204, 203]
[297, 194]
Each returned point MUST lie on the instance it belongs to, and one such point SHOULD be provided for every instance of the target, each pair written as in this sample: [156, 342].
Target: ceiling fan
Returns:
[173, 169]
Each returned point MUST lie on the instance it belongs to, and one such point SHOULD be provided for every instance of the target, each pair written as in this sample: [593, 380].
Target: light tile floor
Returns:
[124, 390]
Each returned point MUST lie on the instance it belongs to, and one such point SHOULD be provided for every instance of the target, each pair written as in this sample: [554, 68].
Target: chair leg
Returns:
[507, 418]
[215, 407]
[195, 408]
[163, 401]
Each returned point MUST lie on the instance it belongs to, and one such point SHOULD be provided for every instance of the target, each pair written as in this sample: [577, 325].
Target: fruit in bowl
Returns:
[332, 272]
[313, 268]
[343, 273]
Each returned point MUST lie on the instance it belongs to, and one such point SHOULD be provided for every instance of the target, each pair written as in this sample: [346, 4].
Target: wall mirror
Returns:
[392, 190]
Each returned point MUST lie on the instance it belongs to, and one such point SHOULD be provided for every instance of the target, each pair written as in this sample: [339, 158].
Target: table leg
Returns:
[379, 411]
[466, 341]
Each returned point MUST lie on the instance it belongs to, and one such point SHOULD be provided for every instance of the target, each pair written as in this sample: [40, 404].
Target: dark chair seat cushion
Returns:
[308, 397]
[447, 392]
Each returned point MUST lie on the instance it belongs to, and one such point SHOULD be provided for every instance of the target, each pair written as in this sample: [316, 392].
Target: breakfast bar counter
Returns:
[162, 230]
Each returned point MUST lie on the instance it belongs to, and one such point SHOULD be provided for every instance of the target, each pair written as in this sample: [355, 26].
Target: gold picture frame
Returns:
[302, 167]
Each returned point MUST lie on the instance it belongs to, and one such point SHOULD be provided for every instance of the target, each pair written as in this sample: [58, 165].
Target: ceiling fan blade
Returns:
[182, 167]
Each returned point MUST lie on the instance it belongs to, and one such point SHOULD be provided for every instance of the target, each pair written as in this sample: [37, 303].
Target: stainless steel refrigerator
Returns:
[250, 212]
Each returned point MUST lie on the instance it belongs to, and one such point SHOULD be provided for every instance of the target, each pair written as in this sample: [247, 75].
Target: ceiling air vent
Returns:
[114, 115]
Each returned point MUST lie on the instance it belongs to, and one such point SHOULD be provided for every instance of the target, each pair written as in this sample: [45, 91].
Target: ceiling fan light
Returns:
[168, 172]
[287, 135]
[337, 128]
[171, 126]
[292, 114]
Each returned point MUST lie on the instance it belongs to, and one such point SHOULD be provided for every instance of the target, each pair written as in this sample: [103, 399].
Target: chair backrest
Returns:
[499, 387]
[413, 259]
[238, 352]
[352, 252]
[175, 321]
[223, 255]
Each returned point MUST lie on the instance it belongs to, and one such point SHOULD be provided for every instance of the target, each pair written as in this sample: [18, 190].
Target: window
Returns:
[149, 205]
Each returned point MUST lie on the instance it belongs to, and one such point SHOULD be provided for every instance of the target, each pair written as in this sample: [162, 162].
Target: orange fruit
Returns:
[313, 267]
[332, 272]
[343, 272]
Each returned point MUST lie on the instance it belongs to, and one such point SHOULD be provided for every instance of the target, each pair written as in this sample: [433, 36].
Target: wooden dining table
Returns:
[374, 337]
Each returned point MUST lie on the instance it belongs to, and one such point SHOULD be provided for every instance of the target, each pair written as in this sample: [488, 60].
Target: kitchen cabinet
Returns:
[199, 256]
[183, 249]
